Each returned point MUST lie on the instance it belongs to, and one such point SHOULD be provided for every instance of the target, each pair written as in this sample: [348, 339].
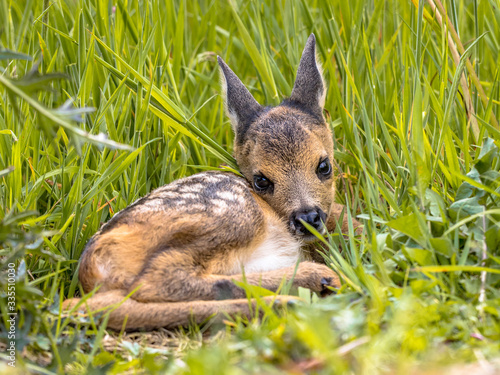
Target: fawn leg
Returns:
[140, 315]
[170, 277]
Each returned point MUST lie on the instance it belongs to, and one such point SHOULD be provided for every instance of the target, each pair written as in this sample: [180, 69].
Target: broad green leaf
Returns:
[465, 207]
[422, 256]
[410, 226]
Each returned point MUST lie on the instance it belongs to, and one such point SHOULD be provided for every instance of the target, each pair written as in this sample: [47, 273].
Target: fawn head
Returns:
[286, 152]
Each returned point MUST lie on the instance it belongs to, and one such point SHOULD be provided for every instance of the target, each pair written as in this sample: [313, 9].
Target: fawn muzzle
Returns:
[315, 217]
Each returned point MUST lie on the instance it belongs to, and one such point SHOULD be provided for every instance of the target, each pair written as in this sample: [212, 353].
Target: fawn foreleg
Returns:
[166, 280]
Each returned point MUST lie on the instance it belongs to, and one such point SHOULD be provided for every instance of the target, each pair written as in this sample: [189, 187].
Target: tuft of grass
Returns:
[101, 102]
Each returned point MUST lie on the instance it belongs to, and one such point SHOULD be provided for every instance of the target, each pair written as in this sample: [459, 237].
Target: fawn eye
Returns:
[324, 169]
[261, 183]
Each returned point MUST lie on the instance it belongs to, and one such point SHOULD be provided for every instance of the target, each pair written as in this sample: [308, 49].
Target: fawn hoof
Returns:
[326, 287]
[286, 301]
[292, 303]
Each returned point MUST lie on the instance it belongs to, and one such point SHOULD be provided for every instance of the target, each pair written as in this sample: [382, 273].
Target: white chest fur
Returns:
[272, 254]
[277, 250]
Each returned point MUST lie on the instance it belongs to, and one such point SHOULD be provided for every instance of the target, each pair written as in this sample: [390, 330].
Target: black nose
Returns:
[315, 217]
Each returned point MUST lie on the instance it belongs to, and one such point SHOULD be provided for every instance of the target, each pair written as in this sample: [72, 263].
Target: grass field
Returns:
[103, 101]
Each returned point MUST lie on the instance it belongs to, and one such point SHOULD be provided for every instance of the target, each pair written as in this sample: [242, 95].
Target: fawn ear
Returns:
[241, 106]
[309, 88]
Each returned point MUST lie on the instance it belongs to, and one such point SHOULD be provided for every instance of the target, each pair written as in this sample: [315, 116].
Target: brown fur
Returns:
[181, 248]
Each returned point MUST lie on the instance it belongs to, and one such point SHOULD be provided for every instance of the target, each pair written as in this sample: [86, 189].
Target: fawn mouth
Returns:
[305, 235]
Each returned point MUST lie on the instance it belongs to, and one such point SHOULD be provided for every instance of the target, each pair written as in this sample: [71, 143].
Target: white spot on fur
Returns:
[103, 269]
[194, 188]
[196, 207]
[231, 196]
[212, 178]
[190, 196]
[219, 206]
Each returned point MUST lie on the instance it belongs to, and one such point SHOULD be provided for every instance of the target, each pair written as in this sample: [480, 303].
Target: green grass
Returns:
[417, 164]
